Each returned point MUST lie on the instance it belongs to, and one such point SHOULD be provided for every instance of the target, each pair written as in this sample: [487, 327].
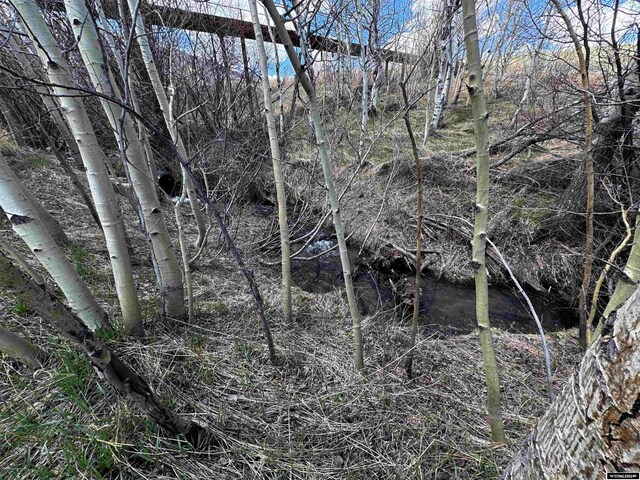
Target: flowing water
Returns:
[445, 308]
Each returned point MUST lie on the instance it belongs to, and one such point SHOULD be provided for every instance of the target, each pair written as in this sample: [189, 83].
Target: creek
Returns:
[445, 308]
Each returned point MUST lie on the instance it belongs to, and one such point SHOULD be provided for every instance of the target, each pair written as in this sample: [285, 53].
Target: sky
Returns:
[407, 23]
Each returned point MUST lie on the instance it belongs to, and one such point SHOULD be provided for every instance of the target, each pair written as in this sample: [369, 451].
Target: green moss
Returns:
[531, 209]
[38, 161]
[21, 309]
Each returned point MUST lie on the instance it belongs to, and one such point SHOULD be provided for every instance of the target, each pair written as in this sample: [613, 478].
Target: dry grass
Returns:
[311, 417]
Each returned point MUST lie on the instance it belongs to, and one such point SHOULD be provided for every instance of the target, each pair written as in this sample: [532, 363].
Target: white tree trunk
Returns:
[374, 48]
[163, 101]
[328, 176]
[136, 162]
[444, 72]
[275, 158]
[25, 222]
[17, 47]
[104, 197]
[364, 71]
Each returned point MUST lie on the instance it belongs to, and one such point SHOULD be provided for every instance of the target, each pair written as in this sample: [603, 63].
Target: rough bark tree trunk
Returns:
[104, 361]
[593, 425]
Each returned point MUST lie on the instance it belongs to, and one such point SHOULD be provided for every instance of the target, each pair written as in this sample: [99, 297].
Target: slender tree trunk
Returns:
[129, 75]
[416, 298]
[49, 102]
[278, 79]
[104, 197]
[163, 101]
[374, 49]
[135, 161]
[628, 281]
[460, 79]
[479, 111]
[27, 225]
[592, 426]
[184, 250]
[427, 123]
[328, 175]
[15, 129]
[17, 347]
[531, 69]
[277, 170]
[105, 361]
[364, 70]
[247, 76]
[445, 68]
[588, 162]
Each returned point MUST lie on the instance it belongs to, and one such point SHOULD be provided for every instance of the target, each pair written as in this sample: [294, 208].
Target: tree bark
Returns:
[364, 71]
[479, 242]
[135, 162]
[593, 425]
[277, 169]
[105, 362]
[328, 176]
[27, 225]
[104, 197]
[163, 101]
[49, 102]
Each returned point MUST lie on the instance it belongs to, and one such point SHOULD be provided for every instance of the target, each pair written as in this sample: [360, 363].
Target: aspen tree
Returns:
[26, 223]
[21, 349]
[588, 162]
[364, 71]
[163, 101]
[104, 197]
[275, 158]
[135, 161]
[32, 71]
[328, 175]
[479, 243]
[444, 72]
